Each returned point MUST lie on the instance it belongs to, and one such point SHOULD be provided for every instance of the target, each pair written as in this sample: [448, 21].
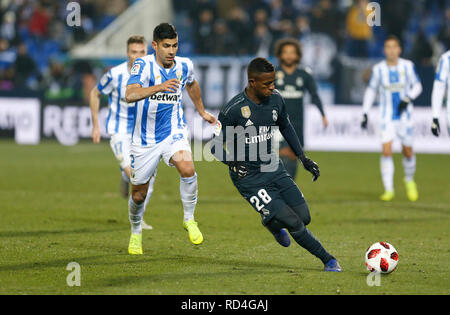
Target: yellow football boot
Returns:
[387, 196]
[195, 236]
[135, 246]
[411, 190]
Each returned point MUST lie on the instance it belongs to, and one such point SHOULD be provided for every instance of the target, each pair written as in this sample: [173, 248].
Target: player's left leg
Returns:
[409, 166]
[183, 162]
[286, 217]
[405, 133]
[294, 198]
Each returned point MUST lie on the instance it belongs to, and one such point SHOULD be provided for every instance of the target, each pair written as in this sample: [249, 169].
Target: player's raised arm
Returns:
[414, 90]
[94, 104]
[104, 86]
[139, 78]
[438, 94]
[289, 134]
[195, 94]
[370, 95]
[311, 86]
[135, 92]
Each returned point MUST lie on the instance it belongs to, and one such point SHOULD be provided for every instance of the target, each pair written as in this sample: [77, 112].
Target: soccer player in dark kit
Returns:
[292, 81]
[243, 141]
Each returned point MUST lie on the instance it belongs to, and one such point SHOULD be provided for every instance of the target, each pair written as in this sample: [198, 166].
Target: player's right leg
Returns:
[143, 166]
[120, 145]
[136, 211]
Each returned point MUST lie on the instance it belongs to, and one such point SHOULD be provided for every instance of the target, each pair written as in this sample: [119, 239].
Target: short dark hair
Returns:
[259, 65]
[164, 31]
[394, 38]
[136, 39]
[280, 44]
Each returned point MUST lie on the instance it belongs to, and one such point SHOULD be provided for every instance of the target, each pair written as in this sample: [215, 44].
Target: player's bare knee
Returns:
[408, 152]
[138, 197]
[186, 172]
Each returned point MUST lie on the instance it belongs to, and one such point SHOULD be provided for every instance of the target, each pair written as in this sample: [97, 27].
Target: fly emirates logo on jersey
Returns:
[265, 133]
[167, 98]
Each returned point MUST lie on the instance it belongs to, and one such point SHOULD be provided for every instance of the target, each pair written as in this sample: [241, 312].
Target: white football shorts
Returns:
[144, 160]
[120, 145]
[401, 129]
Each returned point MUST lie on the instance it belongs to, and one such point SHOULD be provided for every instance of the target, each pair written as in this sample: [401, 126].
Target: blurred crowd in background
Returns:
[231, 27]
[34, 37]
[35, 40]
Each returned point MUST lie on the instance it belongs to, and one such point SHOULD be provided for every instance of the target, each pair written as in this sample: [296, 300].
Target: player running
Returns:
[292, 81]
[397, 83]
[160, 130]
[243, 141]
[119, 123]
[441, 83]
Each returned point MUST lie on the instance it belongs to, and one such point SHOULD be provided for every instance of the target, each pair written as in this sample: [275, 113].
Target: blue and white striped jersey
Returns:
[161, 114]
[441, 85]
[121, 114]
[393, 83]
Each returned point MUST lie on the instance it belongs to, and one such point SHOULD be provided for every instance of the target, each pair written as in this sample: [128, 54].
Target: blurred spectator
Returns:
[302, 26]
[57, 82]
[241, 30]
[24, 66]
[395, 16]
[262, 41]
[204, 31]
[39, 20]
[223, 41]
[444, 32]
[326, 19]
[7, 55]
[8, 27]
[422, 51]
[358, 30]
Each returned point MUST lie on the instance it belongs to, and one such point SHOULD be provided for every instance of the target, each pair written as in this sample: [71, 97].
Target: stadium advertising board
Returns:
[20, 118]
[344, 132]
[23, 118]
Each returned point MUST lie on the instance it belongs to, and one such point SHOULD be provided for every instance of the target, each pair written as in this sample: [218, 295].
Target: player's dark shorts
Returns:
[268, 192]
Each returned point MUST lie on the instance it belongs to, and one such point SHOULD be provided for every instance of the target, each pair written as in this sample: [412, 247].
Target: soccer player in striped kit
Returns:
[397, 83]
[160, 130]
[119, 123]
[441, 84]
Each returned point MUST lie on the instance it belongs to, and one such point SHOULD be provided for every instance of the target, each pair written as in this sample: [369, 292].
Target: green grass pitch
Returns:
[61, 204]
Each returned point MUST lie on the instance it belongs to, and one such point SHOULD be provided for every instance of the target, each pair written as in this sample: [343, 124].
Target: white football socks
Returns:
[409, 166]
[387, 172]
[150, 190]
[136, 213]
[188, 194]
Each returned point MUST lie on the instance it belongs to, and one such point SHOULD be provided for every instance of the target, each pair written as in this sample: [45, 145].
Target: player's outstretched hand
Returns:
[95, 135]
[209, 117]
[311, 167]
[364, 122]
[403, 104]
[240, 170]
[170, 85]
[435, 128]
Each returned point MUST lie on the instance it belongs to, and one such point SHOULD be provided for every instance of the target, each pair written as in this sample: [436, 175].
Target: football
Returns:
[381, 257]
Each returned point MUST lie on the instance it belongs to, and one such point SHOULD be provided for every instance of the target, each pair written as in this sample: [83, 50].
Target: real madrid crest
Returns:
[299, 81]
[279, 77]
[245, 111]
[275, 115]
